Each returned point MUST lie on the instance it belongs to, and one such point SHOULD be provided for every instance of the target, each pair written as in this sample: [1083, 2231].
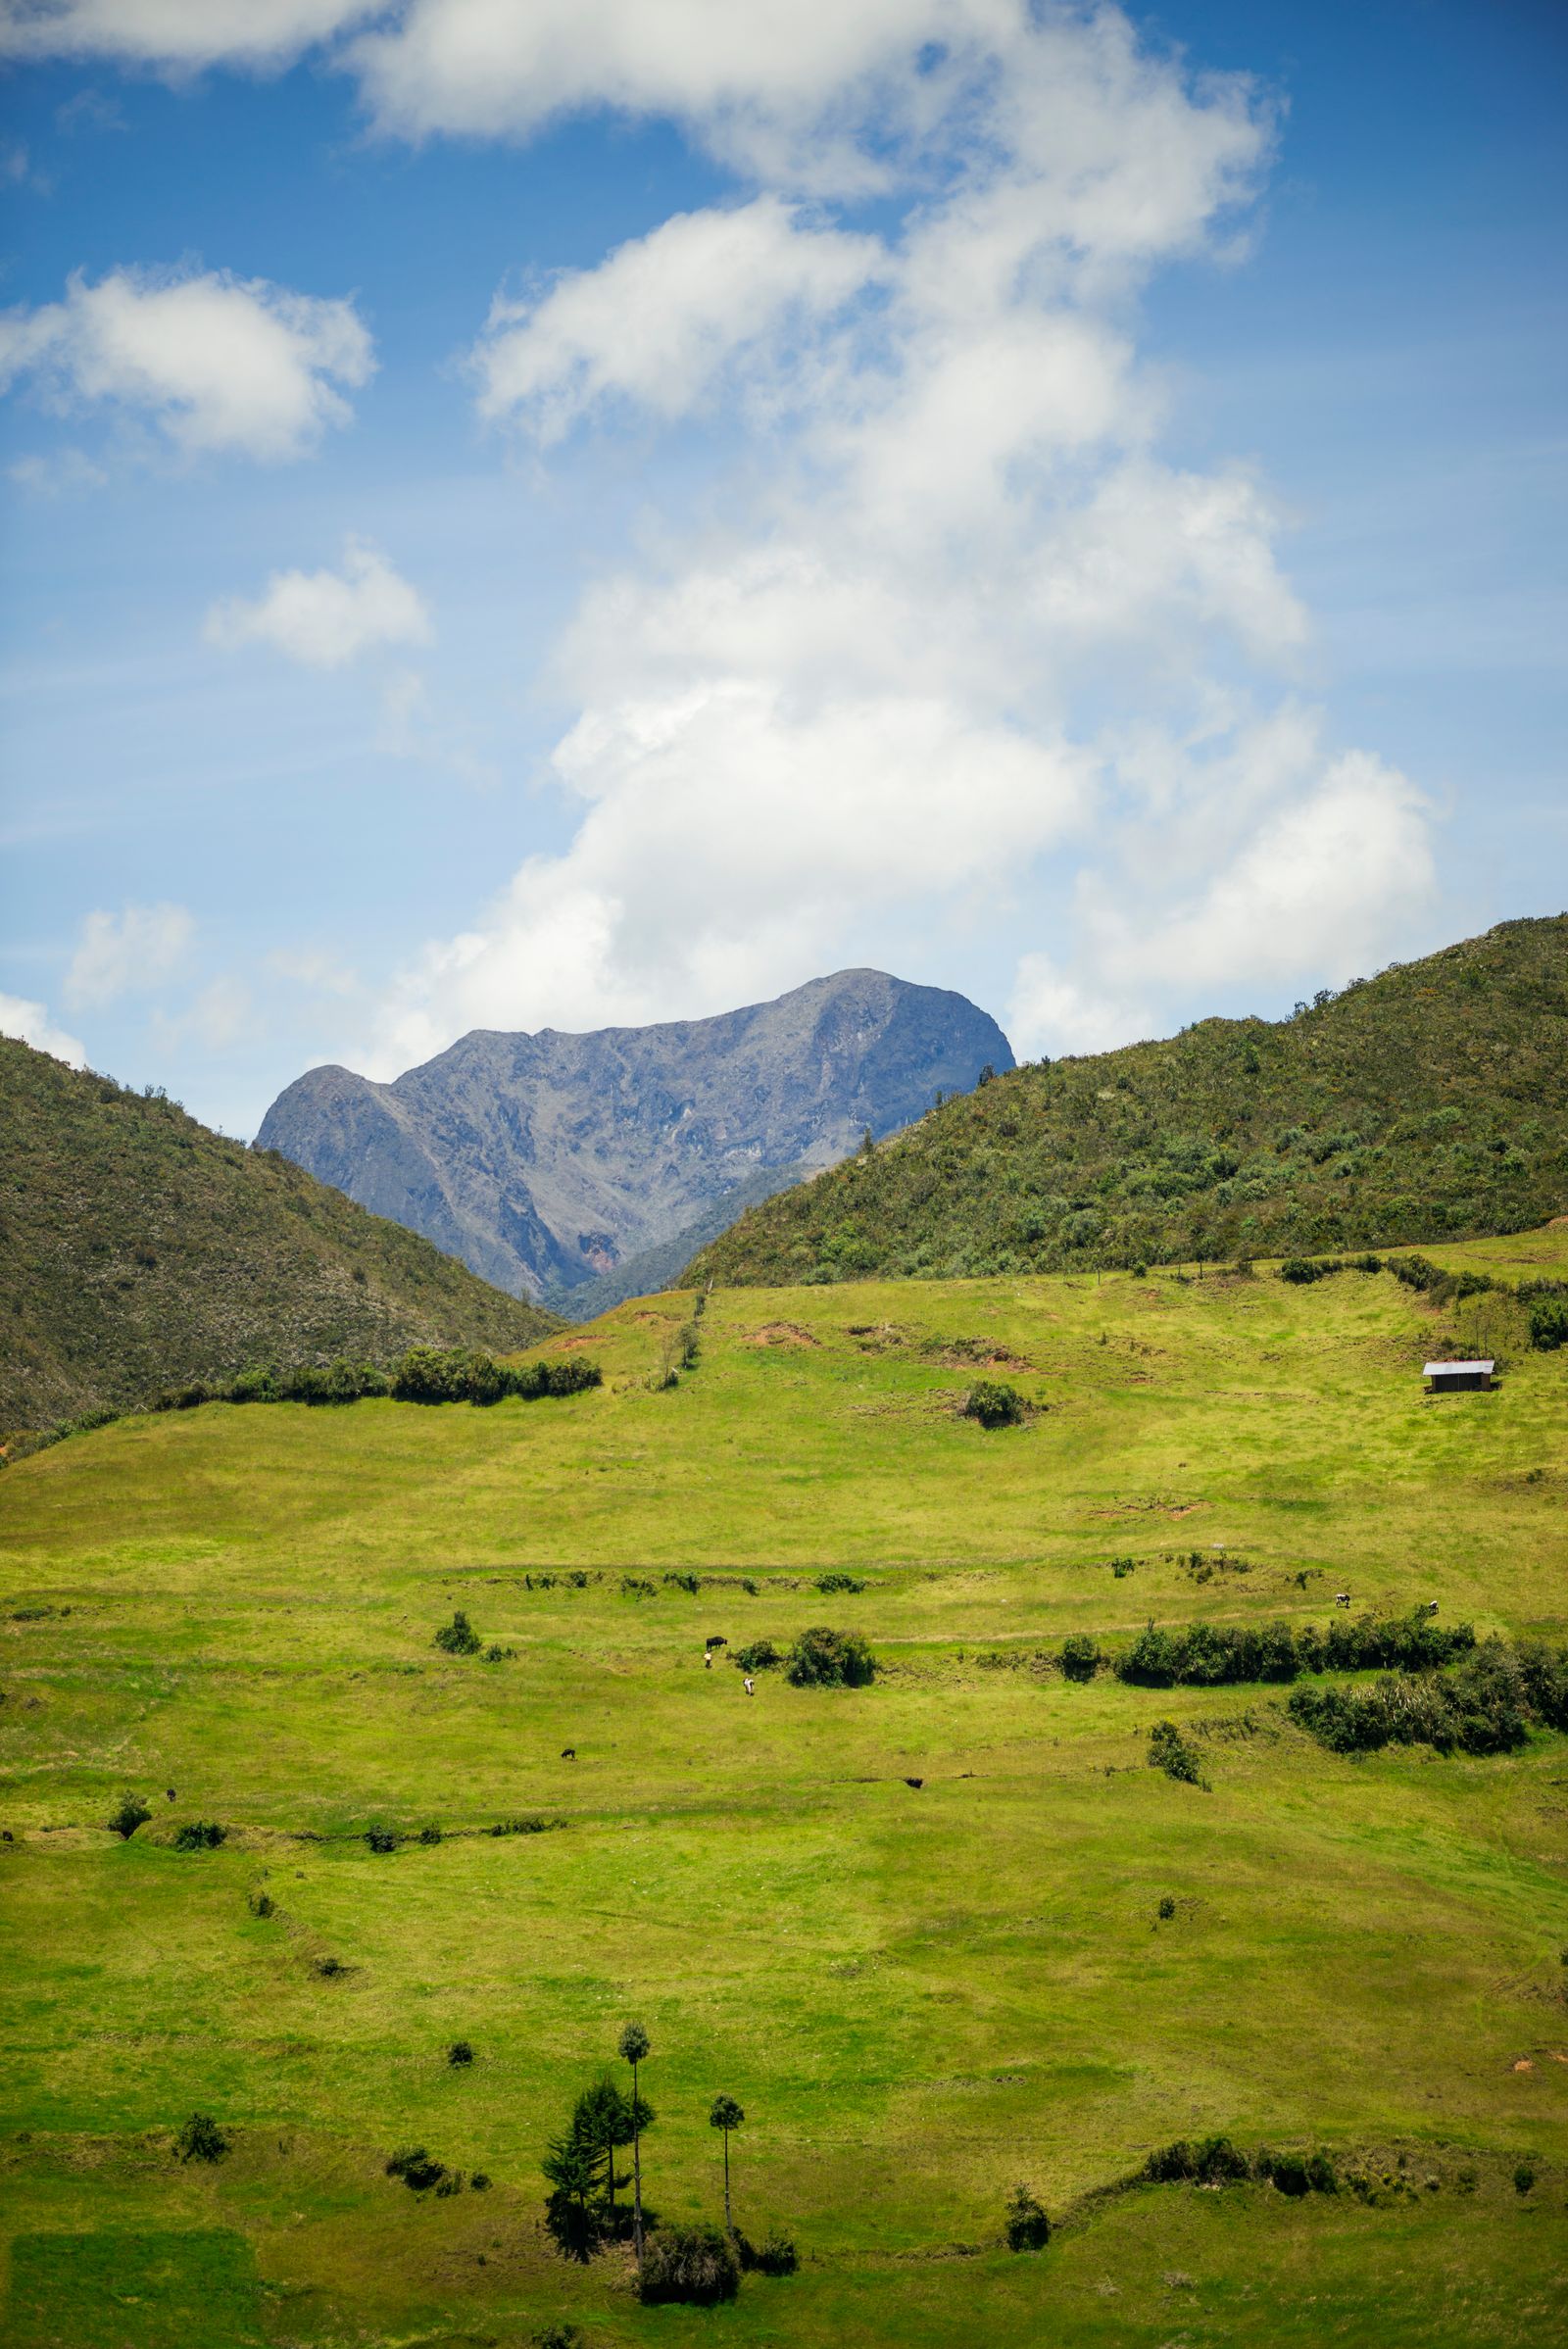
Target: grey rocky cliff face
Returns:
[546, 1161]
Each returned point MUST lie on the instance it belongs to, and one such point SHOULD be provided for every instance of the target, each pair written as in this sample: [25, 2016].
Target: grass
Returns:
[1433, 1098]
[919, 1996]
[142, 1250]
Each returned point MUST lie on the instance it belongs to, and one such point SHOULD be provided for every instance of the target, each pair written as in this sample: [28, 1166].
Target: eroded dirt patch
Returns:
[779, 1333]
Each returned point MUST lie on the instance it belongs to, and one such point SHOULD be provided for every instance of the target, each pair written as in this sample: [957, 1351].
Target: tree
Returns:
[726, 2115]
[634, 2046]
[574, 2167]
[605, 2119]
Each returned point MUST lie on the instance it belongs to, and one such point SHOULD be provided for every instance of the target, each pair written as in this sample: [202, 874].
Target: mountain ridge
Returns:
[1429, 1101]
[142, 1250]
[546, 1161]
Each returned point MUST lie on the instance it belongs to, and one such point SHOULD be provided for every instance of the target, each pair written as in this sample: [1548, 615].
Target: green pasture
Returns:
[920, 1994]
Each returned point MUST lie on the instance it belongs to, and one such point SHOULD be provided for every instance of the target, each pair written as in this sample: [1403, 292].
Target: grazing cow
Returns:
[914, 1782]
[750, 1685]
[1341, 1599]
[707, 1659]
[568, 1753]
[169, 1792]
[1432, 1606]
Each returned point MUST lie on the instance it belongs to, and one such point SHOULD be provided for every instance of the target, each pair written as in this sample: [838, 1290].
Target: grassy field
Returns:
[920, 1996]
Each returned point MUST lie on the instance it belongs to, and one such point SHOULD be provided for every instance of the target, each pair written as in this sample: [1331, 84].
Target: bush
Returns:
[759, 1655]
[775, 2255]
[131, 1814]
[1080, 1657]
[459, 2052]
[1523, 2179]
[1168, 1750]
[1548, 1325]
[262, 1904]
[201, 2139]
[827, 1660]
[828, 1583]
[1167, 1909]
[555, 2337]
[458, 1637]
[382, 1839]
[429, 1835]
[534, 1825]
[419, 2170]
[1207, 1655]
[1028, 2227]
[1486, 1706]
[1287, 2171]
[695, 2264]
[1213, 2161]
[199, 1834]
[994, 1403]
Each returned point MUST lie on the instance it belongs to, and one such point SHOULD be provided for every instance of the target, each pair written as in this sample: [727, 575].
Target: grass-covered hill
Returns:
[1431, 1100]
[139, 1249]
[936, 1934]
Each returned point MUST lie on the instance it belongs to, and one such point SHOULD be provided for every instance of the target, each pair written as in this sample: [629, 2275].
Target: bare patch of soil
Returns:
[779, 1333]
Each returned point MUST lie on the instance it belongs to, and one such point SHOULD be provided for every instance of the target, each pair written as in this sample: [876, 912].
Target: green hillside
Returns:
[1429, 1101]
[938, 1934]
[142, 1249]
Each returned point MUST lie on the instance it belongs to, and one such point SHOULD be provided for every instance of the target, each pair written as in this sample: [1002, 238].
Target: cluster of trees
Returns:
[1212, 1655]
[587, 2209]
[821, 1658]
[1488, 1706]
[1217, 2161]
[426, 1374]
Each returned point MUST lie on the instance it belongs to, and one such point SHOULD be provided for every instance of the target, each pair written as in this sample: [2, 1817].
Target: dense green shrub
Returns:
[199, 1834]
[382, 1839]
[759, 1655]
[994, 1403]
[828, 1659]
[458, 1637]
[1548, 1324]
[1168, 1750]
[429, 1374]
[695, 2264]
[1487, 1705]
[1213, 2161]
[828, 1583]
[460, 2053]
[1080, 1657]
[1210, 1655]
[201, 2139]
[131, 1813]
[1028, 2227]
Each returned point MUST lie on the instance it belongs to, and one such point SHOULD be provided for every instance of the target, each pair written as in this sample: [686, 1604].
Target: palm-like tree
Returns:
[634, 2044]
[726, 2115]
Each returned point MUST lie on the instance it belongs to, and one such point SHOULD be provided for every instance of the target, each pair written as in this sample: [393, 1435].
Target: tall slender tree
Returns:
[726, 2115]
[634, 2046]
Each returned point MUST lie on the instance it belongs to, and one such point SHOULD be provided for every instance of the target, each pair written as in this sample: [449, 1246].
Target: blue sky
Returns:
[1064, 507]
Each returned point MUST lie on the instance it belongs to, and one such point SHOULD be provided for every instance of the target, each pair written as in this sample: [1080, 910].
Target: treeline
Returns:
[1213, 1655]
[1488, 1706]
[426, 1373]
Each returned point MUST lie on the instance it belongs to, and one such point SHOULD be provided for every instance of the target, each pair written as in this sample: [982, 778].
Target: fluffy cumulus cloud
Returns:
[129, 952]
[326, 618]
[32, 1024]
[220, 364]
[965, 640]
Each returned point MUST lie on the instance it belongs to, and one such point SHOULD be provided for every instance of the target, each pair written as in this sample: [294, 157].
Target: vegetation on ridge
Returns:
[143, 1250]
[1430, 1101]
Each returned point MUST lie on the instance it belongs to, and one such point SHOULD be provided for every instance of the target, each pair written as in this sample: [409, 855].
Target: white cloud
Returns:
[129, 953]
[219, 363]
[325, 618]
[1330, 862]
[660, 321]
[32, 1023]
[178, 34]
[876, 694]
[58, 475]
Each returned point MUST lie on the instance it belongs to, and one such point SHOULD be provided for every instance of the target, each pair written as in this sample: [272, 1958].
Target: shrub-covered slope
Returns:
[1432, 1099]
[141, 1248]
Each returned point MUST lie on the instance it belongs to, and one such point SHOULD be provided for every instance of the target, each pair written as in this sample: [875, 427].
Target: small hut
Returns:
[1457, 1378]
